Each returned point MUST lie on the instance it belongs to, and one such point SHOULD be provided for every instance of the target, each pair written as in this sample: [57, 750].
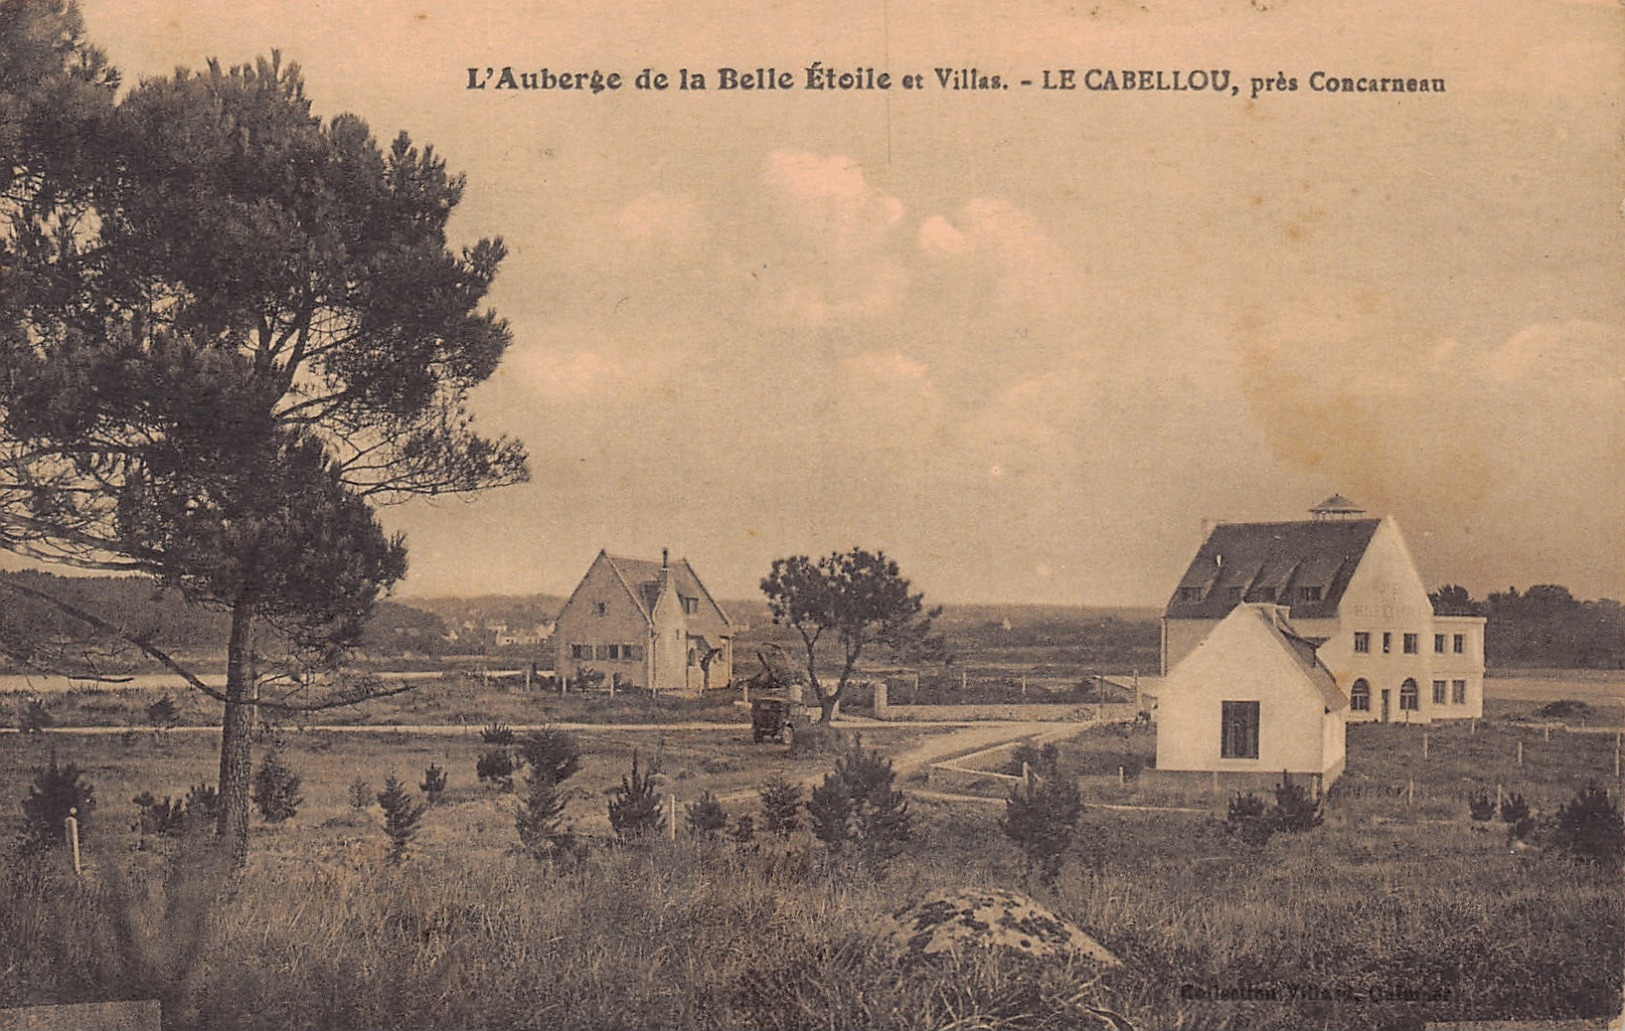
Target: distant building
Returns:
[1250, 701]
[1349, 585]
[652, 623]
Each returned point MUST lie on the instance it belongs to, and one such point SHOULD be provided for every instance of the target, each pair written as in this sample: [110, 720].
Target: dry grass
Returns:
[1384, 900]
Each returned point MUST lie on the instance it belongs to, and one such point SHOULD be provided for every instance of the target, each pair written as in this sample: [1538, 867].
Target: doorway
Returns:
[1385, 694]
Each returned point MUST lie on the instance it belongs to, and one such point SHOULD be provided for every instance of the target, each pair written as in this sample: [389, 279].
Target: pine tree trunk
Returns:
[237, 736]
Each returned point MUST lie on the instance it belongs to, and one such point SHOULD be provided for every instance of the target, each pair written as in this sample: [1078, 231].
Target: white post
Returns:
[1498, 796]
[1424, 744]
[1122, 780]
[1545, 731]
[1027, 777]
[72, 825]
[1024, 687]
[671, 812]
[914, 699]
[1520, 751]
[1472, 727]
[964, 681]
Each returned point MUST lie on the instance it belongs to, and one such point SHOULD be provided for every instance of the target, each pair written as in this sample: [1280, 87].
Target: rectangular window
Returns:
[1387, 642]
[603, 653]
[1410, 644]
[691, 605]
[600, 608]
[633, 652]
[1458, 692]
[1362, 641]
[1240, 731]
[1459, 644]
[1266, 594]
[1438, 644]
[1309, 593]
[1190, 594]
[1438, 692]
[581, 651]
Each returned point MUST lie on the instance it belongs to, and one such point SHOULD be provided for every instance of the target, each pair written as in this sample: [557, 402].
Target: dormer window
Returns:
[690, 605]
[1309, 593]
[1233, 593]
[1190, 594]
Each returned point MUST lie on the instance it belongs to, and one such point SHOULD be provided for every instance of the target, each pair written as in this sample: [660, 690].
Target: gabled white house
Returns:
[652, 624]
[1350, 586]
[1251, 701]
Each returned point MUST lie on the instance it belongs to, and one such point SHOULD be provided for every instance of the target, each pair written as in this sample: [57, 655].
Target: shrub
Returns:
[553, 754]
[360, 793]
[58, 791]
[401, 816]
[587, 679]
[706, 816]
[781, 807]
[634, 810]
[744, 829]
[1249, 819]
[497, 733]
[1041, 821]
[1044, 761]
[1481, 807]
[276, 789]
[814, 739]
[434, 783]
[159, 816]
[540, 821]
[202, 805]
[857, 805]
[1515, 814]
[1589, 827]
[495, 766]
[34, 718]
[162, 714]
[1295, 810]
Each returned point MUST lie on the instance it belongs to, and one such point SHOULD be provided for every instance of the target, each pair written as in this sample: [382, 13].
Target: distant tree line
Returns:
[1545, 626]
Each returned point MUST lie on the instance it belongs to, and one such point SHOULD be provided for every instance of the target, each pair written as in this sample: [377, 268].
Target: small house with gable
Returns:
[644, 624]
[1350, 587]
[1252, 700]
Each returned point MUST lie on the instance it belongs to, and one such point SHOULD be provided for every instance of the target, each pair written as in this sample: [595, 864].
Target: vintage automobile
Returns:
[775, 719]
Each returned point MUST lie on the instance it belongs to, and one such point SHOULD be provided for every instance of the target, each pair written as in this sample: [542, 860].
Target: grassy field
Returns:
[1398, 910]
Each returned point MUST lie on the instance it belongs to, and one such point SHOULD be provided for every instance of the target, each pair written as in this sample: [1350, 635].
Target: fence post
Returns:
[1545, 731]
[72, 826]
[1520, 751]
[1424, 744]
[671, 813]
[1121, 777]
[1215, 783]
[1498, 796]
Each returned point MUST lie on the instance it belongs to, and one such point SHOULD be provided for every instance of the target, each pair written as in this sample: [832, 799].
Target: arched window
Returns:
[1408, 695]
[1360, 696]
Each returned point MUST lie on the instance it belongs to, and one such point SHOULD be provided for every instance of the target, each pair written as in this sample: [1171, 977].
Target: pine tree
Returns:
[781, 806]
[634, 810]
[401, 816]
[276, 789]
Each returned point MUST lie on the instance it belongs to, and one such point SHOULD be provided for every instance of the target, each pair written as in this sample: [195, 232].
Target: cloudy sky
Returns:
[1025, 341]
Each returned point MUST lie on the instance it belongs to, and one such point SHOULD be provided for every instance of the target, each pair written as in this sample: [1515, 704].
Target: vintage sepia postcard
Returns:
[881, 514]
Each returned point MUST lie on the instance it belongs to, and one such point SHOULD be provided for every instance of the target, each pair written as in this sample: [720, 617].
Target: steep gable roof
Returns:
[1305, 564]
[642, 579]
[1250, 634]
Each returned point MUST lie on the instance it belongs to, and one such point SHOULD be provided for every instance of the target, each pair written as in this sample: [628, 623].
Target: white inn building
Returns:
[1349, 587]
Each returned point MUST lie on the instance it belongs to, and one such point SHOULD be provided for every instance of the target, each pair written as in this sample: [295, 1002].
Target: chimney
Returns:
[663, 555]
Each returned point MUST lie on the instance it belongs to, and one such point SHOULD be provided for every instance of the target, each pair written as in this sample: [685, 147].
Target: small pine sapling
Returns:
[35, 718]
[202, 805]
[1515, 814]
[857, 804]
[1589, 828]
[497, 733]
[540, 821]
[1041, 821]
[706, 816]
[1248, 819]
[159, 816]
[434, 783]
[276, 789]
[1481, 807]
[552, 754]
[401, 816]
[57, 792]
[634, 809]
[163, 715]
[1295, 810]
[743, 831]
[495, 766]
[781, 807]
[360, 793]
